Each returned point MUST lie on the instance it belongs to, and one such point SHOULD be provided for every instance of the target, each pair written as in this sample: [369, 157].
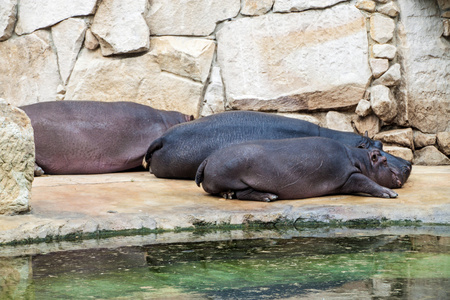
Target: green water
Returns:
[380, 267]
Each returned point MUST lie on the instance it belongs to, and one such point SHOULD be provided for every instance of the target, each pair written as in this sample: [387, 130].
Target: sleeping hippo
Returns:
[268, 170]
[179, 151]
[84, 137]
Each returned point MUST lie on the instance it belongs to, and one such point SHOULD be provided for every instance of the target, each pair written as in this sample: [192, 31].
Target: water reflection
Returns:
[380, 267]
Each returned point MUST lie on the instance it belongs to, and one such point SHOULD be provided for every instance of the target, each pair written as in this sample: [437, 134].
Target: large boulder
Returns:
[383, 103]
[402, 137]
[301, 5]
[37, 14]
[189, 18]
[143, 79]
[29, 70]
[68, 37]
[120, 26]
[315, 59]
[8, 12]
[431, 156]
[187, 57]
[17, 160]
[443, 141]
[425, 55]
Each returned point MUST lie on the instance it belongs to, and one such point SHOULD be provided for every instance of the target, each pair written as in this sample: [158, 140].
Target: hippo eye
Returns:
[374, 157]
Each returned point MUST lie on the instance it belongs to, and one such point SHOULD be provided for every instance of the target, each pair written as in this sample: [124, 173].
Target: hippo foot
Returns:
[389, 194]
[228, 195]
[38, 171]
[251, 194]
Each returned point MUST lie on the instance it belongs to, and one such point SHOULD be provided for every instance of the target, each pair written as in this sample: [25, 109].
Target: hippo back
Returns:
[82, 137]
[179, 152]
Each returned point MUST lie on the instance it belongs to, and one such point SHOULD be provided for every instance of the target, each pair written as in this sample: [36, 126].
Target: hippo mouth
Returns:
[403, 174]
[397, 178]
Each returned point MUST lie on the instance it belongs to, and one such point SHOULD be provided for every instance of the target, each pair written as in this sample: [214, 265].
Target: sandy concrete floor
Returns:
[88, 204]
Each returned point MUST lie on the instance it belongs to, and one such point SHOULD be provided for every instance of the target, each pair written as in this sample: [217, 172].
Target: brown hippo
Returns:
[296, 168]
[84, 137]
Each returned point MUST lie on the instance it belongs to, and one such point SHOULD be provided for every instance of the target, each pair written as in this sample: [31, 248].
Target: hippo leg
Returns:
[38, 170]
[359, 183]
[251, 194]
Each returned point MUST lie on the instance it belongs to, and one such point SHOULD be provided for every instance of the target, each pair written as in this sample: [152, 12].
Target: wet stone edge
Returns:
[202, 227]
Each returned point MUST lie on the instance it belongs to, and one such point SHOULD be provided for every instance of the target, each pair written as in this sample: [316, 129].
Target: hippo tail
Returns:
[155, 145]
[199, 176]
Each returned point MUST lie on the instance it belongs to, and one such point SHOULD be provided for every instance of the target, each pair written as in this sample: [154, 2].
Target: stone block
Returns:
[318, 119]
[301, 5]
[339, 121]
[378, 66]
[383, 103]
[214, 100]
[31, 74]
[391, 77]
[68, 37]
[391, 9]
[292, 62]
[381, 28]
[8, 16]
[17, 160]
[424, 91]
[194, 18]
[401, 137]
[120, 26]
[135, 78]
[384, 51]
[183, 56]
[430, 156]
[37, 14]
[401, 152]
[256, 7]
[366, 5]
[371, 124]
[363, 108]
[90, 41]
[443, 141]
[423, 139]
[446, 25]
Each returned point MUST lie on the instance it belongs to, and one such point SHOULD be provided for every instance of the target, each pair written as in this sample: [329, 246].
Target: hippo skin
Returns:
[296, 168]
[86, 137]
[179, 151]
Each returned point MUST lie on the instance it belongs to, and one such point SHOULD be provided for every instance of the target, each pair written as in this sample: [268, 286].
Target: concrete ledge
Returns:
[92, 206]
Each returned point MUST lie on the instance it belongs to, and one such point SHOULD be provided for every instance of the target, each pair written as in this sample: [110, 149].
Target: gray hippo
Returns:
[85, 137]
[296, 168]
[179, 151]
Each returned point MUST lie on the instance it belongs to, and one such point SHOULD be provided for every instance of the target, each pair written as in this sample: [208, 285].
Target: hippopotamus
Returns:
[179, 151]
[295, 168]
[86, 137]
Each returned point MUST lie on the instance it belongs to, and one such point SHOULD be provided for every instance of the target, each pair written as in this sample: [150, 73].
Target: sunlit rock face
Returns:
[37, 14]
[29, 70]
[304, 61]
[17, 160]
[425, 57]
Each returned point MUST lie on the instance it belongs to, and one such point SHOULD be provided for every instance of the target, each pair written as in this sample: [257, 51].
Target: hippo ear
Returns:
[366, 134]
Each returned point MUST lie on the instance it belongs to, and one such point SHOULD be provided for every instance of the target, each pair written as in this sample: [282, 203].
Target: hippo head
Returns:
[401, 167]
[381, 172]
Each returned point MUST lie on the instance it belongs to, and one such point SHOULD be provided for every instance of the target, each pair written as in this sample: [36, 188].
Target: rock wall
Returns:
[16, 160]
[378, 66]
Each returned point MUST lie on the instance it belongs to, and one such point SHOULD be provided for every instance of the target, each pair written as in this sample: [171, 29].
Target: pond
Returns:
[352, 267]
